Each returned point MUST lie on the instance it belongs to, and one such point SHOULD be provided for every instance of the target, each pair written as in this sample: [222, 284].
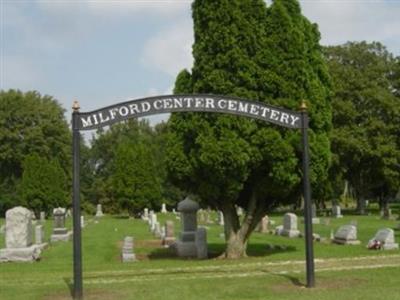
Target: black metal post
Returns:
[77, 293]
[307, 200]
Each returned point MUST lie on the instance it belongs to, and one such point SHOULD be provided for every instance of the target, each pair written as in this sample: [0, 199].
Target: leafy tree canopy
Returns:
[242, 48]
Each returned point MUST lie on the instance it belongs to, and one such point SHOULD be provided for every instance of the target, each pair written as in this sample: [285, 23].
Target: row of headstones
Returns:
[192, 240]
[383, 239]
[19, 233]
[345, 235]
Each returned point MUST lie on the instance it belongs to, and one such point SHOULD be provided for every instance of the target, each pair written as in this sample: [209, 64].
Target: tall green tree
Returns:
[43, 185]
[271, 55]
[134, 178]
[29, 123]
[128, 164]
[366, 115]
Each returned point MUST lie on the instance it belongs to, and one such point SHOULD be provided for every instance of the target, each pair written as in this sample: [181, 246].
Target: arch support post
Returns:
[77, 240]
[307, 199]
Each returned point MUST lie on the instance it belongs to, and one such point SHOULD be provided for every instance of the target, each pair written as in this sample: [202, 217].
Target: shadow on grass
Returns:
[120, 216]
[215, 250]
[70, 285]
[294, 280]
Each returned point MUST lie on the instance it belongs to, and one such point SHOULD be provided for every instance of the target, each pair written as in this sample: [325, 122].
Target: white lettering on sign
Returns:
[197, 103]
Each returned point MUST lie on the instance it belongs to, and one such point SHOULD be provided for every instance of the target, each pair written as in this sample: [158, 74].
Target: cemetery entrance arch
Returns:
[82, 121]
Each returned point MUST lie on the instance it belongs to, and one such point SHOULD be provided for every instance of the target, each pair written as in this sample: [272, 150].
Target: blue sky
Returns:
[103, 52]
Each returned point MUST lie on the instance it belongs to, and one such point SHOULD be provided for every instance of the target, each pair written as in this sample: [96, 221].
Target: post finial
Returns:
[75, 106]
[303, 106]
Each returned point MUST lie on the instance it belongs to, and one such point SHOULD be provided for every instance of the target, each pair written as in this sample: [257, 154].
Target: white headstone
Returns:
[157, 230]
[221, 218]
[19, 231]
[153, 221]
[263, 225]
[290, 225]
[145, 215]
[82, 221]
[19, 237]
[99, 211]
[384, 239]
[127, 250]
[346, 235]
[42, 217]
[164, 208]
[336, 211]
[39, 234]
[239, 211]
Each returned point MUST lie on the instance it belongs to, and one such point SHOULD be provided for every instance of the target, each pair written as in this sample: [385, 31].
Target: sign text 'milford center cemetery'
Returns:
[180, 103]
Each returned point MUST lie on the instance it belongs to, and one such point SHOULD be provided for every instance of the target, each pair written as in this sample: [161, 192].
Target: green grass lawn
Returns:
[342, 272]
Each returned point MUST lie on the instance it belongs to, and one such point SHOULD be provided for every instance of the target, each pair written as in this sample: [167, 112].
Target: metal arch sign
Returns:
[184, 103]
[188, 103]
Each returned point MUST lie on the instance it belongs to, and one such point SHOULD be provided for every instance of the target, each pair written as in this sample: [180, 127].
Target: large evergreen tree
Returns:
[271, 55]
[43, 185]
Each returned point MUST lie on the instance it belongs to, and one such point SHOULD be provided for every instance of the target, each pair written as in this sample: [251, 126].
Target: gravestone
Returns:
[262, 226]
[145, 215]
[221, 218]
[151, 213]
[239, 211]
[290, 226]
[383, 239]
[186, 245]
[127, 250]
[169, 237]
[153, 221]
[99, 211]
[279, 230]
[60, 233]
[346, 235]
[336, 212]
[157, 230]
[164, 208]
[42, 217]
[201, 243]
[82, 222]
[39, 234]
[39, 237]
[19, 237]
[314, 219]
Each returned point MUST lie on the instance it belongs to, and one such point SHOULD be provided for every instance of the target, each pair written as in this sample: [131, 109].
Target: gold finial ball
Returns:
[303, 106]
[75, 106]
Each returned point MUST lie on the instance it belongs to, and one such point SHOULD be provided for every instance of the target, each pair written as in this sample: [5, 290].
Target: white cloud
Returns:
[117, 8]
[341, 21]
[169, 51]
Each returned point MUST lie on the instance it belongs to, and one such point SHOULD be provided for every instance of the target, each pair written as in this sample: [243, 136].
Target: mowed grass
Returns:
[157, 274]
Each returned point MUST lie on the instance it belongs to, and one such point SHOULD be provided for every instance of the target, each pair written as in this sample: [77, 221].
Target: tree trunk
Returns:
[236, 246]
[361, 205]
[236, 234]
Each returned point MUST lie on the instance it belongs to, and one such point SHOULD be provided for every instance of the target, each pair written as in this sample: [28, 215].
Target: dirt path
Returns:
[234, 270]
